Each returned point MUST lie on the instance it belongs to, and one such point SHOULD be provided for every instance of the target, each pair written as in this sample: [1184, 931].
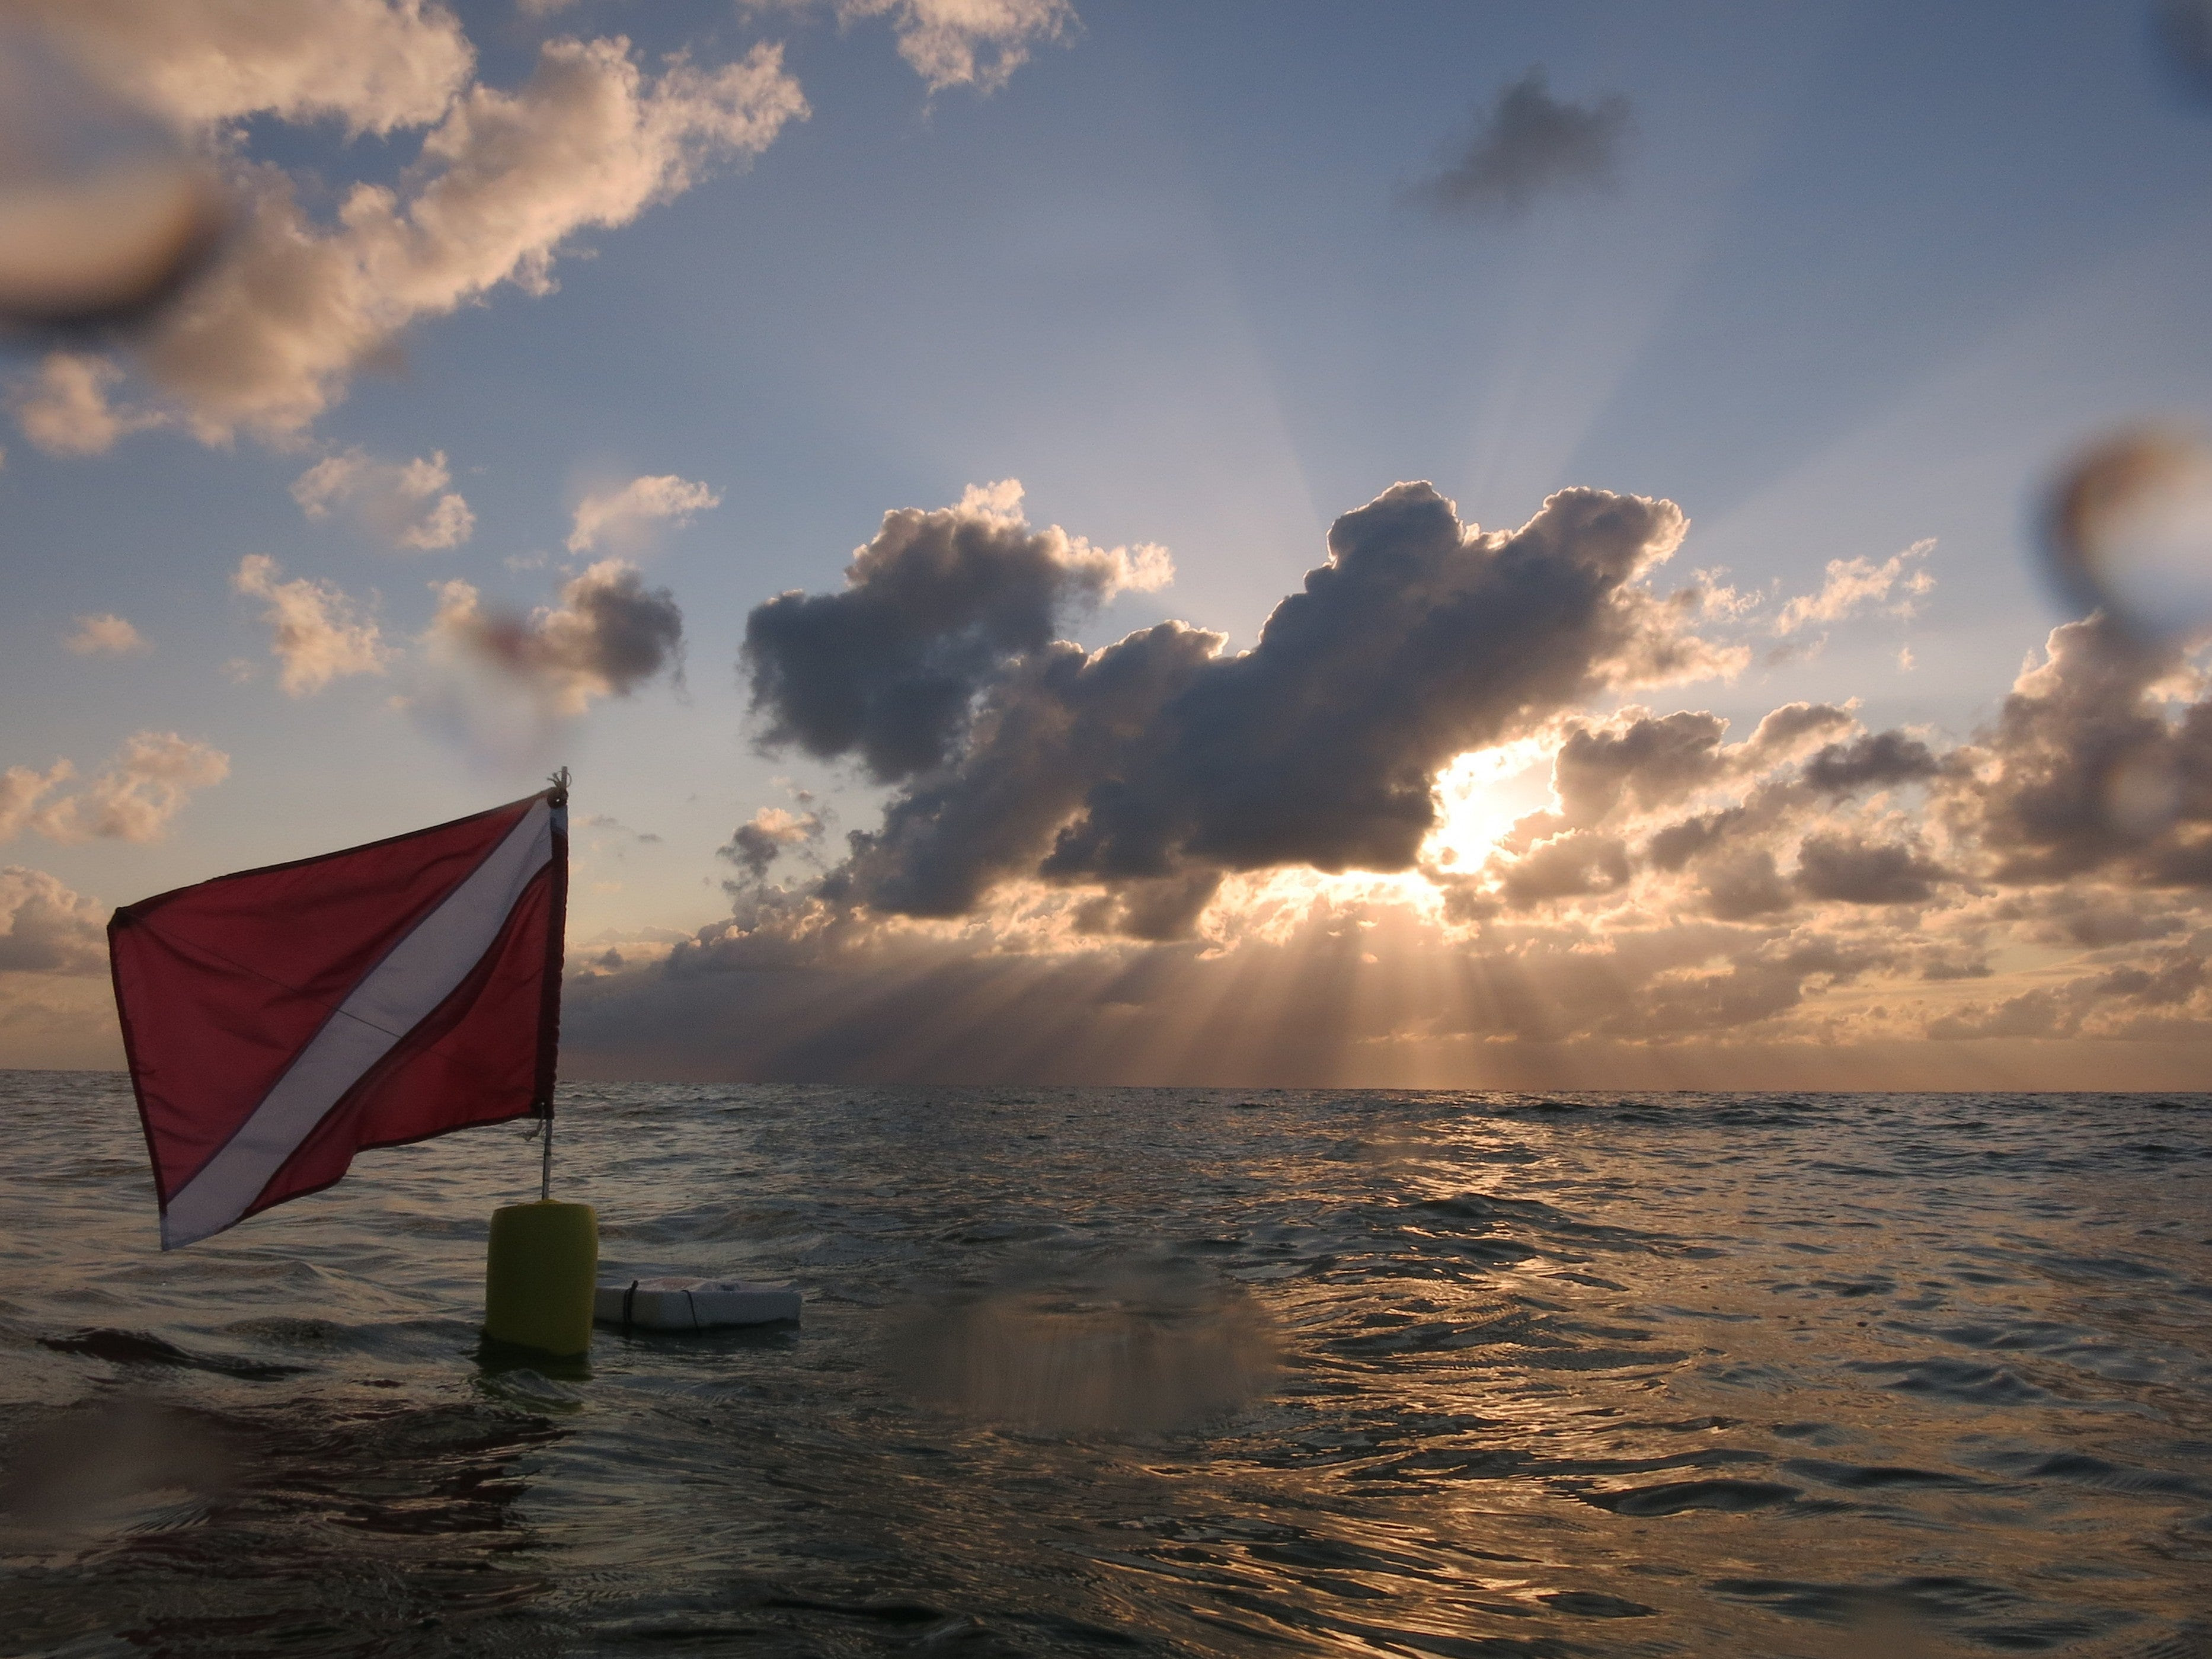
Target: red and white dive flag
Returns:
[280, 1020]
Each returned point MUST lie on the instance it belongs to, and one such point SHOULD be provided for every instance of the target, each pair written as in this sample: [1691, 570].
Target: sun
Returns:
[1480, 795]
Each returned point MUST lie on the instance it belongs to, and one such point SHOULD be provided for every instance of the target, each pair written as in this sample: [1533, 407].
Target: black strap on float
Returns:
[629, 1299]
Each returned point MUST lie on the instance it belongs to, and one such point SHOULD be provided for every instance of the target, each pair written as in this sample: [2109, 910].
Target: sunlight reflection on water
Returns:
[1092, 1371]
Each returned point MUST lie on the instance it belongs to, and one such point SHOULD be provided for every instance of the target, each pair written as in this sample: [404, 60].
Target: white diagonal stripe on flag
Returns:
[394, 997]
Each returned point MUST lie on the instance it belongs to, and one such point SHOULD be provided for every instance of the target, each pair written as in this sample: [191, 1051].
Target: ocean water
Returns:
[1142, 1372]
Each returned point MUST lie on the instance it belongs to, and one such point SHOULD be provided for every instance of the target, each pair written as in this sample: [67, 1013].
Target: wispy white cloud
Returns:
[271, 337]
[104, 632]
[589, 142]
[22, 789]
[955, 43]
[408, 504]
[620, 517]
[373, 65]
[968, 43]
[134, 797]
[318, 633]
[65, 409]
[1855, 585]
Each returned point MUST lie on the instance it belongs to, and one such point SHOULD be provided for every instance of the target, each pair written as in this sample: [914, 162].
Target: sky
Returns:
[1732, 477]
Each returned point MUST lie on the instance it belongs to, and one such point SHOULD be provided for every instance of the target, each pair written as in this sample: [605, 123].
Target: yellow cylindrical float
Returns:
[539, 1276]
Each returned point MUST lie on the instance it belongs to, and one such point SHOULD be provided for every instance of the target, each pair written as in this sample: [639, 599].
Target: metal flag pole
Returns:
[558, 798]
[541, 1259]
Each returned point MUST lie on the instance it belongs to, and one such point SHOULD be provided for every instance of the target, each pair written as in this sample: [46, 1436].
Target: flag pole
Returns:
[541, 1261]
[556, 796]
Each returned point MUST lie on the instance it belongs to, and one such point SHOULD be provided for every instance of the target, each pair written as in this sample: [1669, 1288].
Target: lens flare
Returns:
[2130, 531]
[103, 220]
[2181, 30]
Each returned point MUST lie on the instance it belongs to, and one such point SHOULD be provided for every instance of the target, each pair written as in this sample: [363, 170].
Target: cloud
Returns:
[1858, 584]
[45, 928]
[1155, 766]
[408, 505]
[135, 797]
[1876, 760]
[316, 631]
[1160, 862]
[621, 516]
[616, 826]
[104, 632]
[2127, 527]
[22, 788]
[65, 409]
[373, 65]
[2182, 31]
[758, 842]
[1530, 145]
[1855, 871]
[504, 686]
[269, 338]
[957, 43]
[1651, 762]
[608, 634]
[937, 604]
[2089, 767]
[960, 43]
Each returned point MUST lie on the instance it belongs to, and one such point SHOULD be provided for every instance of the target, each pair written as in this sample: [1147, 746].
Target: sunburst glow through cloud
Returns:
[1429, 585]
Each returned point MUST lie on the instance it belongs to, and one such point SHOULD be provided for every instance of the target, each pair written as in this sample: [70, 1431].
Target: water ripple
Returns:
[1144, 1372]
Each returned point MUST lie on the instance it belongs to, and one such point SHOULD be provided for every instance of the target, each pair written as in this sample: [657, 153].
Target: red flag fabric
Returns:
[278, 1021]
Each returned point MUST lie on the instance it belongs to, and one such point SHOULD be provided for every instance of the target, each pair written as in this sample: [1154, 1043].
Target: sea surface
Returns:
[1138, 1372]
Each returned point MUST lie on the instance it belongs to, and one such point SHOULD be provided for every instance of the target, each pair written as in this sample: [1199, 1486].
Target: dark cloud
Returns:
[934, 610]
[609, 635]
[1530, 144]
[1101, 866]
[2089, 768]
[2091, 920]
[1849, 871]
[1877, 760]
[45, 928]
[1743, 882]
[1651, 762]
[1154, 765]
[1755, 985]
[762, 839]
[615, 629]
[1940, 969]
[1566, 866]
[2182, 32]
[2159, 996]
[1674, 846]
[503, 685]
